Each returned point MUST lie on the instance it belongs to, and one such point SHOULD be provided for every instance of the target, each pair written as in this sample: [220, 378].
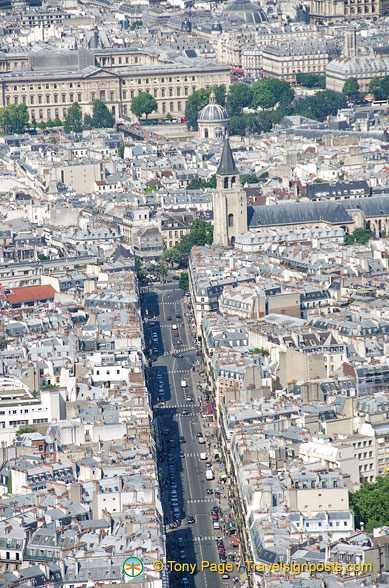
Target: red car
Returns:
[176, 335]
[215, 517]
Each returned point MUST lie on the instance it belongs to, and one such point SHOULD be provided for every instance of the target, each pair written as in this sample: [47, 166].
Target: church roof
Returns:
[284, 214]
[227, 165]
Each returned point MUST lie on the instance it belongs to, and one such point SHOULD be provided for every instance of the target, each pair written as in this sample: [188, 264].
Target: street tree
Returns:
[143, 104]
[73, 120]
[102, 117]
[238, 97]
[351, 88]
[13, 119]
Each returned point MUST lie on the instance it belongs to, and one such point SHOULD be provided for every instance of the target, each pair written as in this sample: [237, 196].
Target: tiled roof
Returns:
[30, 293]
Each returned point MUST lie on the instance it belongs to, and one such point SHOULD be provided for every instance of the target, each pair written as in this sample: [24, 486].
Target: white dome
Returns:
[212, 112]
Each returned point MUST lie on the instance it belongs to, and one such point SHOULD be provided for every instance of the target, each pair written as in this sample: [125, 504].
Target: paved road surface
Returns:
[199, 538]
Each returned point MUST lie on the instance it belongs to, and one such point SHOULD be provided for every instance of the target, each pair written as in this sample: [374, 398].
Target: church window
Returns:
[230, 220]
[226, 182]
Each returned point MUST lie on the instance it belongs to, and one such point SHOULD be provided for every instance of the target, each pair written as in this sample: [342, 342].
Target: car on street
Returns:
[190, 519]
[198, 352]
[185, 411]
[177, 355]
[201, 440]
[178, 315]
[215, 517]
[168, 318]
[180, 542]
[226, 576]
[165, 432]
[198, 435]
[209, 491]
[182, 554]
[189, 398]
[181, 454]
[176, 334]
[181, 439]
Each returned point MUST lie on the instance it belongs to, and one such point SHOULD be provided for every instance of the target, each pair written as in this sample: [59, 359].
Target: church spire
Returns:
[227, 165]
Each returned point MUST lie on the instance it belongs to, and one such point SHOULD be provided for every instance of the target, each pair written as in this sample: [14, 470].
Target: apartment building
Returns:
[284, 61]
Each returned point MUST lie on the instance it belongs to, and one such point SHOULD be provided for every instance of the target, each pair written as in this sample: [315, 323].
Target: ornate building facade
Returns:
[115, 77]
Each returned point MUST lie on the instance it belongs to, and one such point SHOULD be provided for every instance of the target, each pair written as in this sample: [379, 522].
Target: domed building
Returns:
[212, 120]
[245, 12]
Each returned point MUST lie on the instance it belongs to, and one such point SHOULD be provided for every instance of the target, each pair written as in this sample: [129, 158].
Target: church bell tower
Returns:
[229, 201]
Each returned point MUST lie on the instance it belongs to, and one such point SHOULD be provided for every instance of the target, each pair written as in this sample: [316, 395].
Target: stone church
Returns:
[233, 217]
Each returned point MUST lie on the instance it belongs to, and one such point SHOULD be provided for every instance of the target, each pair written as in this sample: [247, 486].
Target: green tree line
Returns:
[201, 233]
[271, 100]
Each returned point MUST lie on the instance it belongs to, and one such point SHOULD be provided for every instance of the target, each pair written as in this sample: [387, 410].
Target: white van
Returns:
[203, 456]
[174, 327]
[216, 525]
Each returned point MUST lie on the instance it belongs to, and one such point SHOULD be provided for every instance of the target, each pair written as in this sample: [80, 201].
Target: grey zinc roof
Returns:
[370, 206]
[284, 214]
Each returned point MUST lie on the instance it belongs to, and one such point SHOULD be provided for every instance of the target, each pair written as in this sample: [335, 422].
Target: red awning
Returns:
[209, 409]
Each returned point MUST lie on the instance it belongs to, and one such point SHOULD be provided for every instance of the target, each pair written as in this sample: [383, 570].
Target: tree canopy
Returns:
[380, 87]
[250, 179]
[13, 119]
[143, 104]
[184, 281]
[310, 80]
[238, 97]
[73, 120]
[360, 236]
[320, 106]
[351, 87]
[102, 118]
[198, 184]
[200, 98]
[201, 233]
[371, 504]
[269, 91]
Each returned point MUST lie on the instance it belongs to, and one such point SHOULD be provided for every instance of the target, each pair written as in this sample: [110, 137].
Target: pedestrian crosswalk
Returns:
[205, 538]
[199, 500]
[192, 454]
[180, 349]
[179, 371]
[176, 406]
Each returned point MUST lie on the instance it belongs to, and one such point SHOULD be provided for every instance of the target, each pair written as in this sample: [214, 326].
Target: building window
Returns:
[39, 99]
[63, 97]
[178, 91]
[71, 97]
[170, 91]
[47, 99]
[55, 98]
[41, 114]
[31, 99]
[79, 97]
[93, 96]
[179, 107]
[171, 107]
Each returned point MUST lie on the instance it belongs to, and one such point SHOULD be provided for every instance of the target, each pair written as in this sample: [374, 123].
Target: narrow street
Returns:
[185, 490]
